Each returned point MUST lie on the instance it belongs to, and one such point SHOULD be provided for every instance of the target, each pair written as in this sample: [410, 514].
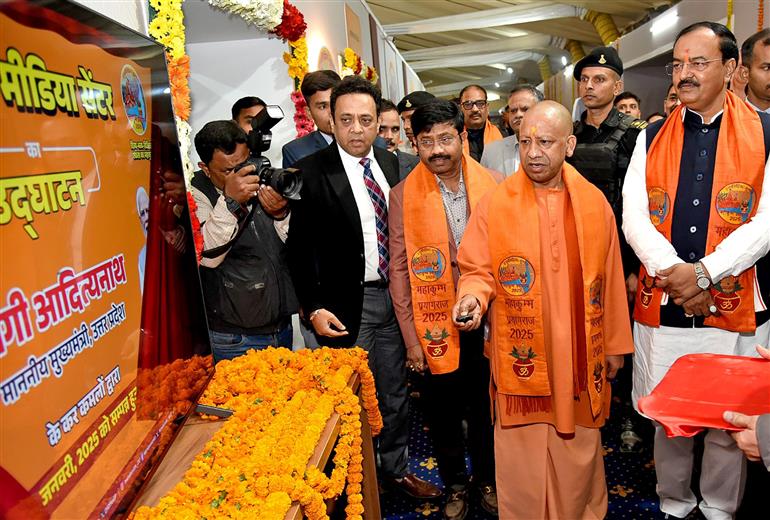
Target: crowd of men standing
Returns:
[504, 269]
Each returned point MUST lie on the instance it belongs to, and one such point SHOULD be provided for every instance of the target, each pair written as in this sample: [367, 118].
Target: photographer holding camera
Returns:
[246, 284]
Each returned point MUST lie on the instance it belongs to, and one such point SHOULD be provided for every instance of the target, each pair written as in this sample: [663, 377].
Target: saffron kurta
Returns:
[562, 448]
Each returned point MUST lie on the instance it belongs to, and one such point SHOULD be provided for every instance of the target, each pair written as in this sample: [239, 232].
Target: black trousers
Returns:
[450, 398]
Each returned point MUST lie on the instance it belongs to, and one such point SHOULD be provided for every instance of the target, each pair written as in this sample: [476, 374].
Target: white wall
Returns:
[223, 72]
[230, 59]
[131, 13]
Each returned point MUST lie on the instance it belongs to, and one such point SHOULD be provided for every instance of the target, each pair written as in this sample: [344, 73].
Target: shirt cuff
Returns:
[667, 262]
[716, 266]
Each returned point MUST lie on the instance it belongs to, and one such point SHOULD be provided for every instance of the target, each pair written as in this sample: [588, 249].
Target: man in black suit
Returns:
[338, 257]
[316, 89]
[390, 131]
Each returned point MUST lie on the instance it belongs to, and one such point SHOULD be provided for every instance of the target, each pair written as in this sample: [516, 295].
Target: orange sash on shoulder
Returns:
[427, 251]
[521, 361]
[738, 174]
[491, 133]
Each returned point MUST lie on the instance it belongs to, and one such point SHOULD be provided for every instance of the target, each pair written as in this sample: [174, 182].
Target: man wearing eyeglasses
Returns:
[427, 219]
[696, 210]
[473, 101]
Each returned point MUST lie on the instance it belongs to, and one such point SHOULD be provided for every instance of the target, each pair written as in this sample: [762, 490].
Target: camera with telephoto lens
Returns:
[285, 181]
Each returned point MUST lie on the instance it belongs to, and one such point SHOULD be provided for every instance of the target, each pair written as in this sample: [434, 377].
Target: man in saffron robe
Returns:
[427, 218]
[541, 258]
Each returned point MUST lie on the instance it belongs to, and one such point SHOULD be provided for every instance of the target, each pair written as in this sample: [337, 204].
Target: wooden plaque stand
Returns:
[196, 432]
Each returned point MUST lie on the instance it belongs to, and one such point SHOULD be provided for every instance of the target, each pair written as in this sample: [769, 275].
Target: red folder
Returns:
[698, 388]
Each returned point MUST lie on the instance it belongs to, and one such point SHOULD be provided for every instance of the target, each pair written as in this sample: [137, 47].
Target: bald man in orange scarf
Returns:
[541, 259]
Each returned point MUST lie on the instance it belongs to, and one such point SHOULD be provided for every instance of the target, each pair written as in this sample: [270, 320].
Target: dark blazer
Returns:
[326, 243]
[406, 163]
[295, 150]
[300, 148]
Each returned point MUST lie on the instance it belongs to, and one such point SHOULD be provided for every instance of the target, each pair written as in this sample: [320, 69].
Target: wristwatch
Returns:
[702, 280]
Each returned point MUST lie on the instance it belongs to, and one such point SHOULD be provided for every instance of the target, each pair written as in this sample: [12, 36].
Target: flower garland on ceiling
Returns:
[354, 65]
[284, 20]
[256, 465]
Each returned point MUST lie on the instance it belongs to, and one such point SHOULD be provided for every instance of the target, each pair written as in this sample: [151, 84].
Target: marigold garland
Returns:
[256, 464]
[353, 64]
[167, 28]
[296, 59]
[178, 73]
[171, 385]
[196, 227]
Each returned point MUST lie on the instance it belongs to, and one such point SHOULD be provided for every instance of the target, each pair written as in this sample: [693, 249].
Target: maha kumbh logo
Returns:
[735, 202]
[428, 264]
[132, 93]
[660, 204]
[516, 275]
[595, 295]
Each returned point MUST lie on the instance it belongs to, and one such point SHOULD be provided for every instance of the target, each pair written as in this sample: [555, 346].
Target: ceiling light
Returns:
[509, 70]
[564, 61]
[500, 66]
[568, 70]
[664, 22]
[493, 96]
[497, 84]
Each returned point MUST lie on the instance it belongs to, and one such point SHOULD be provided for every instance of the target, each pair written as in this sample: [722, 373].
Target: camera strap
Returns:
[220, 250]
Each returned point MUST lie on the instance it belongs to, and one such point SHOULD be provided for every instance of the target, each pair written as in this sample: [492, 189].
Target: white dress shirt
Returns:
[328, 138]
[736, 253]
[752, 105]
[355, 172]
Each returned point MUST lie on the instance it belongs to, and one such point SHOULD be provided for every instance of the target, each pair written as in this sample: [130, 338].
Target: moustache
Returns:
[390, 142]
[437, 157]
[687, 82]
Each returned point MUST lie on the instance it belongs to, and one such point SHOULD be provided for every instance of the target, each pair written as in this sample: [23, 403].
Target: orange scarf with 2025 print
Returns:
[520, 357]
[737, 186]
[427, 251]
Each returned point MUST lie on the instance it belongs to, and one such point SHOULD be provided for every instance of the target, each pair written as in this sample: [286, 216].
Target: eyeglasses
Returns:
[678, 66]
[479, 103]
[444, 141]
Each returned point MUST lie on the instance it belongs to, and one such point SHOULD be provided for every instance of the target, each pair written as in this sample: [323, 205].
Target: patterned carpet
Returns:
[630, 477]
